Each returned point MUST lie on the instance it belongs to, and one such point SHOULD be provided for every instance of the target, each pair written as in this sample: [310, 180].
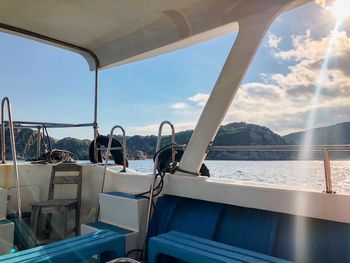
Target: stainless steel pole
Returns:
[14, 152]
[3, 145]
[38, 139]
[95, 115]
[327, 171]
[154, 175]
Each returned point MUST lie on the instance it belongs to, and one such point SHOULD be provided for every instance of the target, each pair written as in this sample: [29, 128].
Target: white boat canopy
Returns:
[111, 32]
[114, 32]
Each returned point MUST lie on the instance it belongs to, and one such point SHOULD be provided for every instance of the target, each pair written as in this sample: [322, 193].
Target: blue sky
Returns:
[45, 83]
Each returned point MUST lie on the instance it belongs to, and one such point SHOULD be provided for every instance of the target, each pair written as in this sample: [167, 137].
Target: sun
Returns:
[341, 9]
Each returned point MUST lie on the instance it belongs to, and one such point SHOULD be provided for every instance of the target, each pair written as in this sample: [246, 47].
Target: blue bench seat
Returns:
[195, 249]
[104, 243]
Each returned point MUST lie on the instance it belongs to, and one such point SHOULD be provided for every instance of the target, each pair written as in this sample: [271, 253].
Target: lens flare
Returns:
[312, 118]
[341, 9]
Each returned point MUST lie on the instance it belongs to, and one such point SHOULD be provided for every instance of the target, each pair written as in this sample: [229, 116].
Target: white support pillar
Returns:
[251, 32]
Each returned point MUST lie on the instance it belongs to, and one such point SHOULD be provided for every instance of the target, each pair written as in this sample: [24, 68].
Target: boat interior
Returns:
[66, 211]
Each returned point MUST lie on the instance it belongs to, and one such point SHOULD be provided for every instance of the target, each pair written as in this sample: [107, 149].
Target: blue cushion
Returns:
[163, 213]
[251, 229]
[106, 244]
[105, 226]
[267, 232]
[194, 249]
[312, 240]
[196, 217]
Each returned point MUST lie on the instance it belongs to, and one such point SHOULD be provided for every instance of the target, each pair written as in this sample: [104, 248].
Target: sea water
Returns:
[307, 174]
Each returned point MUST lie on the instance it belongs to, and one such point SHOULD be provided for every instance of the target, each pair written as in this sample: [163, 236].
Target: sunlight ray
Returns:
[312, 118]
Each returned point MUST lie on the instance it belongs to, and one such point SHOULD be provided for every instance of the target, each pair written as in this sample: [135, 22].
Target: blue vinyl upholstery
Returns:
[106, 244]
[248, 228]
[195, 249]
[284, 236]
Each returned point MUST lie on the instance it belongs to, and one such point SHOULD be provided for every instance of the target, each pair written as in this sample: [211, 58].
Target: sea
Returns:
[298, 173]
[305, 174]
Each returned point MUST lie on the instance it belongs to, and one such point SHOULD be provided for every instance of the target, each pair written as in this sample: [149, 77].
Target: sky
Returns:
[49, 84]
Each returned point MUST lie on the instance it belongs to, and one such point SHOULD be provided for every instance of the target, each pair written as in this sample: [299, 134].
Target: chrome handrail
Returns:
[13, 149]
[154, 174]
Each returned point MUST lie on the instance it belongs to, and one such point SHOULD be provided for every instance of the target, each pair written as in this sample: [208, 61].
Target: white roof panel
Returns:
[122, 31]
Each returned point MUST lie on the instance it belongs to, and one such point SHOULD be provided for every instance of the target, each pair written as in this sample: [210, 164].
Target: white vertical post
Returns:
[248, 40]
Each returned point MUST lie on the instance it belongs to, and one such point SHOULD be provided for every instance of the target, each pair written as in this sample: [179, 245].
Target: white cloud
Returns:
[179, 106]
[308, 70]
[300, 42]
[256, 90]
[282, 101]
[200, 98]
[321, 2]
[273, 41]
[152, 129]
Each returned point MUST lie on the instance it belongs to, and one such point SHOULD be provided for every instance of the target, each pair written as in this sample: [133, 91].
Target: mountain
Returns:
[237, 133]
[334, 134]
[26, 145]
[247, 134]
[141, 147]
[231, 134]
[331, 135]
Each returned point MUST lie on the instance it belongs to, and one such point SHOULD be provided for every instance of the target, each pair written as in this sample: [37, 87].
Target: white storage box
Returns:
[3, 203]
[7, 229]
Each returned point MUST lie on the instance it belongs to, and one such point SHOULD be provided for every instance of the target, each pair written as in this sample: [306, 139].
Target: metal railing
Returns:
[154, 174]
[37, 124]
[324, 149]
[40, 125]
[13, 149]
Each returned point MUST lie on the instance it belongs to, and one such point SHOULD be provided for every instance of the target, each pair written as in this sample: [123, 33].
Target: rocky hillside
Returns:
[26, 145]
[247, 134]
[331, 135]
[334, 134]
[142, 147]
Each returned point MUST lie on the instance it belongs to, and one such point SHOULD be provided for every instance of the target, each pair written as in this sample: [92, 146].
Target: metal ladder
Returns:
[154, 175]
[109, 148]
[13, 149]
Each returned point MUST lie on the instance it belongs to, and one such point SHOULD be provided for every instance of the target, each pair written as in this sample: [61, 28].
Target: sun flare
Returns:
[341, 9]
